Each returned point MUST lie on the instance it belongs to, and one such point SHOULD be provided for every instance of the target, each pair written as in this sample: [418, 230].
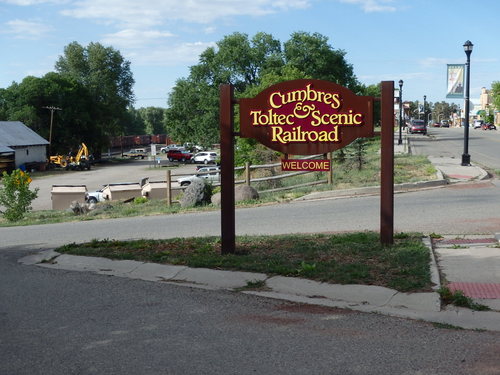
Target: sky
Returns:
[409, 40]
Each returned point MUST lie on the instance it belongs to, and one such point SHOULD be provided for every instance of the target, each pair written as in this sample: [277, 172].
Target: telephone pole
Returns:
[52, 109]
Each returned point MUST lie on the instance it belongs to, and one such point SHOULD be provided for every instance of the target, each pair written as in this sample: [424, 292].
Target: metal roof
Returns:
[15, 133]
[5, 150]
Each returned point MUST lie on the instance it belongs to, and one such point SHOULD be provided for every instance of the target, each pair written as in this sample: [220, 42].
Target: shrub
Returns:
[15, 195]
[140, 200]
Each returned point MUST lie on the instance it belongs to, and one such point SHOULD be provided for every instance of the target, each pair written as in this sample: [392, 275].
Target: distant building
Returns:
[22, 146]
[485, 98]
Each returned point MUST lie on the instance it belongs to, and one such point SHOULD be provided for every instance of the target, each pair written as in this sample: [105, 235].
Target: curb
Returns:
[375, 190]
[363, 298]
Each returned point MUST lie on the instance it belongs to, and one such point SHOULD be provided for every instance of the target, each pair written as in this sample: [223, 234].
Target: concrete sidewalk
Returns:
[471, 264]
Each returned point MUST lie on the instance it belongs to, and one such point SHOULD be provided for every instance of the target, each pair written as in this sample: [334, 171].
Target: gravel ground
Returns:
[102, 174]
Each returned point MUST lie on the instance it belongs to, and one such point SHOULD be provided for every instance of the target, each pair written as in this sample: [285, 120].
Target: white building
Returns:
[29, 148]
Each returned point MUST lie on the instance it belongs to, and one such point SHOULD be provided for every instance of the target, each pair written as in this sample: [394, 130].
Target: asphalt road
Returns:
[59, 323]
[484, 145]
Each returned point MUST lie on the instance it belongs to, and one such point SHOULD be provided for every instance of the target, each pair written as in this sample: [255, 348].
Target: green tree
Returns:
[108, 78]
[443, 110]
[15, 195]
[312, 54]
[193, 113]
[376, 92]
[495, 92]
[154, 119]
[134, 123]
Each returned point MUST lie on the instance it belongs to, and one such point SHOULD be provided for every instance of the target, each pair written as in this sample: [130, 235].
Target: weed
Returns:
[306, 268]
[253, 285]
[458, 298]
[446, 326]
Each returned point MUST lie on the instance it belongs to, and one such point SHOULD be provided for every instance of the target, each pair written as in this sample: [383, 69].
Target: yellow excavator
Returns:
[81, 161]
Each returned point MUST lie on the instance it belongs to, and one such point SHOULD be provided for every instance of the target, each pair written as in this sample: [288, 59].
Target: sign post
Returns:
[387, 165]
[226, 119]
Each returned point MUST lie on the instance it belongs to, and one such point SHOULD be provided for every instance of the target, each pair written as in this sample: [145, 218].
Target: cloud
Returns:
[429, 62]
[185, 53]
[32, 2]
[391, 77]
[147, 13]
[27, 29]
[370, 6]
[437, 61]
[132, 38]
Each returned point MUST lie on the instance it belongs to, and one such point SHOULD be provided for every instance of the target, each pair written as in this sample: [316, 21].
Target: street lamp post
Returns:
[425, 119]
[400, 139]
[465, 156]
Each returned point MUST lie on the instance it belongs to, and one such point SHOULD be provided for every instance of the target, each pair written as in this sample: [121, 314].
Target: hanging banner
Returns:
[455, 79]
[306, 117]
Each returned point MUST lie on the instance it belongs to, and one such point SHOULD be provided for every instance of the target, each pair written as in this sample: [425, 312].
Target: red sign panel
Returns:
[306, 117]
[305, 165]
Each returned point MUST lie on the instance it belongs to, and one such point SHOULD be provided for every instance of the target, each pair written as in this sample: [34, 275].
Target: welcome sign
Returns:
[306, 117]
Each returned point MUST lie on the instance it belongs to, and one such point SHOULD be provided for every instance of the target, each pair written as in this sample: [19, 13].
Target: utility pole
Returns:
[52, 109]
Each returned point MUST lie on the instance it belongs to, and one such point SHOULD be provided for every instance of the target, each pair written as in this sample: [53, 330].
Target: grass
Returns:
[356, 258]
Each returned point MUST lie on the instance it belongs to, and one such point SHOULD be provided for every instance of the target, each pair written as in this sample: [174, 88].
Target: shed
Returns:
[63, 195]
[123, 191]
[29, 148]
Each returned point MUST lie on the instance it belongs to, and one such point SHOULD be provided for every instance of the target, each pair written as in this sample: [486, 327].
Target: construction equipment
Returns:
[81, 161]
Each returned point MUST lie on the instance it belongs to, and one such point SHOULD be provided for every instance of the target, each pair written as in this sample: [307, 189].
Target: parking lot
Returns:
[103, 174]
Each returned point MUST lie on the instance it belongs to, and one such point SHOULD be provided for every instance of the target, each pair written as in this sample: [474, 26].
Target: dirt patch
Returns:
[312, 309]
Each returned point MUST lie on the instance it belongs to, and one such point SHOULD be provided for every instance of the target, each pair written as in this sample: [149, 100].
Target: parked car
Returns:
[417, 126]
[95, 196]
[444, 124]
[165, 149]
[136, 153]
[436, 125]
[488, 126]
[191, 147]
[207, 173]
[478, 124]
[179, 155]
[205, 157]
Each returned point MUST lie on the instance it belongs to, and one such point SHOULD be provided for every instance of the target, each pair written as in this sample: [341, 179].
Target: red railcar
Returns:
[126, 141]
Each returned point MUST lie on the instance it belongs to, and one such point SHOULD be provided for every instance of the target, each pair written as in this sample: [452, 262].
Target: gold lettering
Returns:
[298, 135]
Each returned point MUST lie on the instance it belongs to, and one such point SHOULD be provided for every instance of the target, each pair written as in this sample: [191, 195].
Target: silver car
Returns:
[206, 173]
